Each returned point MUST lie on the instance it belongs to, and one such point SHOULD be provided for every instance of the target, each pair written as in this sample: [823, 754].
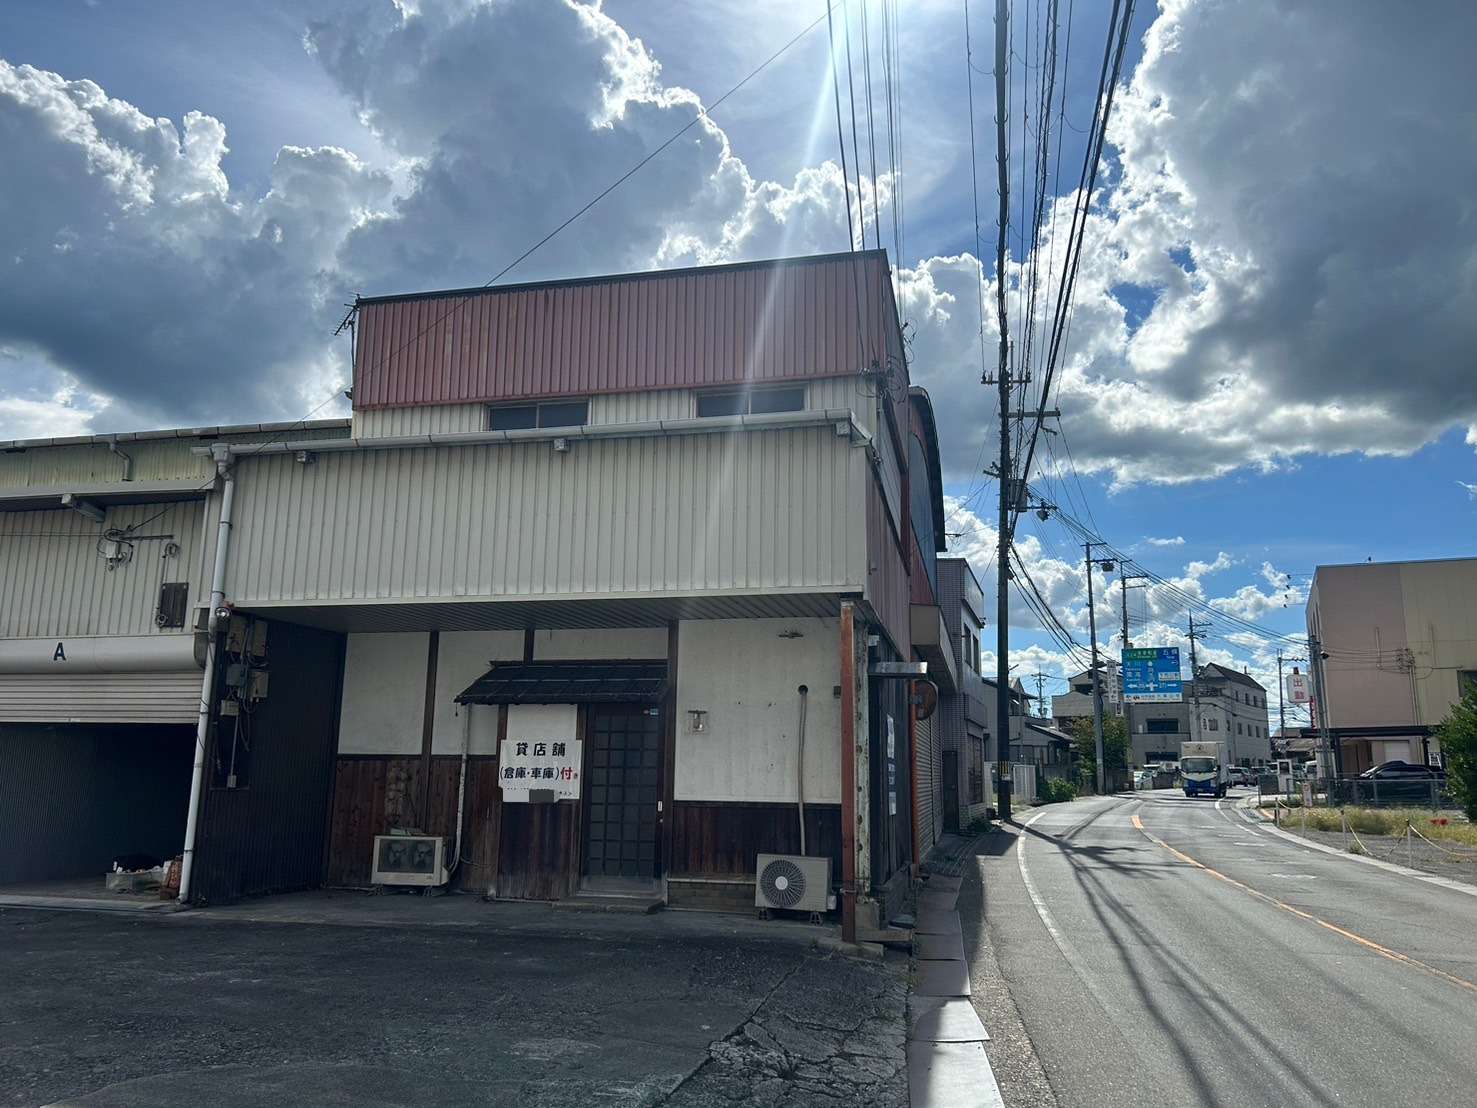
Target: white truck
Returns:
[1203, 770]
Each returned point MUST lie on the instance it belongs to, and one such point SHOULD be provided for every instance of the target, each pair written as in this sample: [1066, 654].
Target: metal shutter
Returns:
[168, 697]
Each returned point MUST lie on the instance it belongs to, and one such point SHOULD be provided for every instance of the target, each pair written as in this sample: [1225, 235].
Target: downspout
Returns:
[207, 684]
[800, 767]
[848, 773]
[127, 460]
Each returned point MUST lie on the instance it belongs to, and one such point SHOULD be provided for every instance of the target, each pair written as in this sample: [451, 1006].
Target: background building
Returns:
[1401, 641]
[1233, 711]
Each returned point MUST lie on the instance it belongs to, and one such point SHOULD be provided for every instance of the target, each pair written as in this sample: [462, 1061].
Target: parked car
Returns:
[1242, 775]
[1400, 771]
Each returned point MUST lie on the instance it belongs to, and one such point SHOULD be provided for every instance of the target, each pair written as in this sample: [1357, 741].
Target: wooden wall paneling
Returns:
[723, 839]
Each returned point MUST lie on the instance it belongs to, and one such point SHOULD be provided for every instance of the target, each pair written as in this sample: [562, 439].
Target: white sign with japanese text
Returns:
[546, 765]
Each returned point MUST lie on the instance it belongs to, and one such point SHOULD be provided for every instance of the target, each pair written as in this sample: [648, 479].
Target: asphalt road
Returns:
[1221, 964]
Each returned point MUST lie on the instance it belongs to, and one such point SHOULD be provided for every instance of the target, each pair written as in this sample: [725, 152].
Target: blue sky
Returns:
[1271, 354]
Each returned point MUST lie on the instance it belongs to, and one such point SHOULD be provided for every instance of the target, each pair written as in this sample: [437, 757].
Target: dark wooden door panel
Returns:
[624, 780]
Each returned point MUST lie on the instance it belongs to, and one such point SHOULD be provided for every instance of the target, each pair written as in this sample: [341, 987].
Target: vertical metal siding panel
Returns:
[54, 581]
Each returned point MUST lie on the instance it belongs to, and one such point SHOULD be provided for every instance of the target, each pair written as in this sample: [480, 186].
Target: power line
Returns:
[1107, 84]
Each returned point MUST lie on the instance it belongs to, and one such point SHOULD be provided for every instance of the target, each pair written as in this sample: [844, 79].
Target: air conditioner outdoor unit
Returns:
[409, 860]
[793, 882]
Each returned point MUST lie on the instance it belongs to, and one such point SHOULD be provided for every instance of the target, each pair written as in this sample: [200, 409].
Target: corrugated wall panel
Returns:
[154, 459]
[100, 697]
[694, 513]
[53, 581]
[426, 419]
[888, 584]
[682, 328]
[634, 407]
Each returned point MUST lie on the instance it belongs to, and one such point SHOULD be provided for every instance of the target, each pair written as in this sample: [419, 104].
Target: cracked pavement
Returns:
[830, 1033]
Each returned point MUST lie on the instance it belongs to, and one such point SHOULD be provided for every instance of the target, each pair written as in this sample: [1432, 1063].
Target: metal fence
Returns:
[1363, 792]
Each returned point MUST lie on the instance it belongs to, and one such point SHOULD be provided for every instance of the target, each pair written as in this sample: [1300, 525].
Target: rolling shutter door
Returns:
[171, 697]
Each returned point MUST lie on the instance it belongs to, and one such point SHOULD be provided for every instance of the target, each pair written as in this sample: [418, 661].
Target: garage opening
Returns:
[76, 796]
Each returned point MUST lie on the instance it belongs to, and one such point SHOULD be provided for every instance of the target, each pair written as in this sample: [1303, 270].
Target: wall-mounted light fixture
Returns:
[697, 721]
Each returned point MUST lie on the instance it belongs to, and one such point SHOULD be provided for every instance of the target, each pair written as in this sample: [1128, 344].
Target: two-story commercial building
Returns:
[1233, 711]
[1400, 640]
[680, 524]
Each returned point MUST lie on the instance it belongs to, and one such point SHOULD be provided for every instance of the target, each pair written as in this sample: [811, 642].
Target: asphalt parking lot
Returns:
[513, 1008]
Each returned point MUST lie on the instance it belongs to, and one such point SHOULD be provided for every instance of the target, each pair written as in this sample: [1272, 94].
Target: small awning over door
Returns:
[568, 683]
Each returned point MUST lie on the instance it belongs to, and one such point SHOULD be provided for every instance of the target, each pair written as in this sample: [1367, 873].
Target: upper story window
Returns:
[751, 401]
[547, 413]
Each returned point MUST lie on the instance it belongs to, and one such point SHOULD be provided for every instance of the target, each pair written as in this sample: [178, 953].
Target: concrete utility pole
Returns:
[1331, 752]
[1040, 693]
[1194, 682]
[1097, 685]
[1125, 582]
[1009, 496]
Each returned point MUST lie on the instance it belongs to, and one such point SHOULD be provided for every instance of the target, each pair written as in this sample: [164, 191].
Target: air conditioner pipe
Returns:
[800, 767]
[207, 683]
[461, 786]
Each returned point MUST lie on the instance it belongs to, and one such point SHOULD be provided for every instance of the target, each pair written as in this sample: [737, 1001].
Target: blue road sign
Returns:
[1151, 674]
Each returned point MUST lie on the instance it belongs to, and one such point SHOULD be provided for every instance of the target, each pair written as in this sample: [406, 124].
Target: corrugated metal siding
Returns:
[100, 697]
[694, 513]
[887, 582]
[427, 419]
[605, 408]
[845, 392]
[643, 331]
[633, 407]
[54, 582]
[162, 459]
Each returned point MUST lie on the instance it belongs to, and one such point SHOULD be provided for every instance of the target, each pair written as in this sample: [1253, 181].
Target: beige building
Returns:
[1400, 640]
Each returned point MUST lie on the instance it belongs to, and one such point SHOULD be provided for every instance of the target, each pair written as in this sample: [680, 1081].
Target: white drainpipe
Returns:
[207, 684]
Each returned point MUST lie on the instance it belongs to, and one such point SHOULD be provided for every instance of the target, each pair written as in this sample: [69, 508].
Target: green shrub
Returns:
[1054, 790]
[1458, 735]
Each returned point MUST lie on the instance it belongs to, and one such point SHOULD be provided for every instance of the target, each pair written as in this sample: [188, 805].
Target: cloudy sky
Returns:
[1271, 358]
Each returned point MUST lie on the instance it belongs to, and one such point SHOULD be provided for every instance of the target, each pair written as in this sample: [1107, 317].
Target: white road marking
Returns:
[1297, 840]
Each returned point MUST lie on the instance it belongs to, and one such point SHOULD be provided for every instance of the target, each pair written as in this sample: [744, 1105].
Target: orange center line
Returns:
[1368, 944]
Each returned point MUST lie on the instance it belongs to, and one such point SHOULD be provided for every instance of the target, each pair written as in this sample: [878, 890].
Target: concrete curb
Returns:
[1392, 867]
[946, 1059]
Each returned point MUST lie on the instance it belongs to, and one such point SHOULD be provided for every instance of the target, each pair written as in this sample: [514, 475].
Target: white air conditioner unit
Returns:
[409, 860]
[793, 882]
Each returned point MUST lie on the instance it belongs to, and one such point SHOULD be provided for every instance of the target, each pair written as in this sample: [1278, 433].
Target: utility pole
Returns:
[1194, 681]
[1331, 752]
[1281, 708]
[1125, 582]
[1040, 693]
[1097, 685]
[1009, 497]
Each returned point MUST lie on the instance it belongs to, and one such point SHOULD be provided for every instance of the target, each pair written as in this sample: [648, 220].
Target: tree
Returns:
[1458, 735]
[1115, 747]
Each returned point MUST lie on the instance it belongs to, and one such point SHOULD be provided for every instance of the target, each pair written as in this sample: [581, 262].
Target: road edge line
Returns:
[1369, 944]
[1393, 867]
